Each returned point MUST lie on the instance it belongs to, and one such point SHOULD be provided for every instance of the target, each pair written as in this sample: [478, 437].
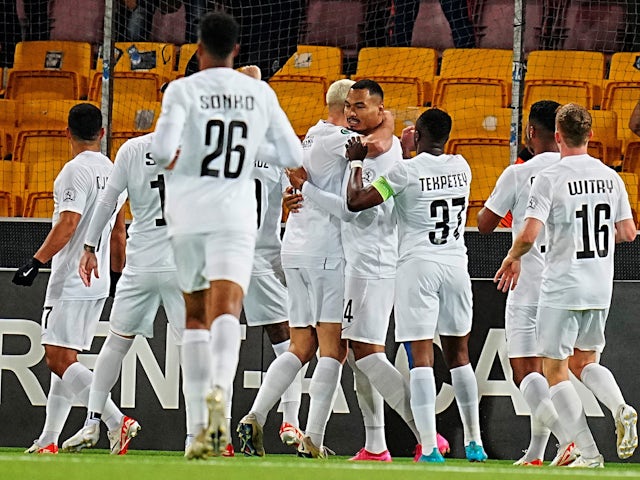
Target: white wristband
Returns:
[355, 164]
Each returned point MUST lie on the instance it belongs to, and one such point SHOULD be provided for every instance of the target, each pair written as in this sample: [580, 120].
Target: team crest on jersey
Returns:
[532, 202]
[368, 175]
[344, 131]
[307, 142]
[69, 195]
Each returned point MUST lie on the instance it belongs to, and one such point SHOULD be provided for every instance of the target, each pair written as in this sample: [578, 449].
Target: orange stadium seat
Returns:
[564, 76]
[8, 124]
[483, 76]
[186, 51]
[44, 114]
[605, 144]
[42, 146]
[50, 69]
[303, 111]
[156, 58]
[323, 64]
[405, 117]
[405, 73]
[12, 181]
[127, 86]
[39, 191]
[485, 122]
[134, 116]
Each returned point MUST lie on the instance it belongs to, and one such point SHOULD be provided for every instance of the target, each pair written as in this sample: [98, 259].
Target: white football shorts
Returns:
[315, 296]
[520, 330]
[430, 296]
[266, 301]
[206, 257]
[138, 296]
[366, 309]
[559, 331]
[71, 323]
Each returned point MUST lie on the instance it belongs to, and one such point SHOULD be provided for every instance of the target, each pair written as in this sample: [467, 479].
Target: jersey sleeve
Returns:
[72, 186]
[503, 196]
[624, 207]
[169, 127]
[539, 204]
[280, 133]
[336, 144]
[393, 182]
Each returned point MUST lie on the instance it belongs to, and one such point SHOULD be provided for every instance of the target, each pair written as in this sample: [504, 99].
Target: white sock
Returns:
[324, 382]
[423, 405]
[290, 400]
[227, 411]
[59, 403]
[280, 374]
[544, 417]
[196, 368]
[225, 348]
[107, 370]
[602, 383]
[571, 415]
[465, 388]
[372, 407]
[77, 379]
[391, 384]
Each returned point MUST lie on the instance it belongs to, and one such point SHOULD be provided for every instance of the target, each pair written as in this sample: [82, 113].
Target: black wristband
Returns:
[37, 263]
[89, 248]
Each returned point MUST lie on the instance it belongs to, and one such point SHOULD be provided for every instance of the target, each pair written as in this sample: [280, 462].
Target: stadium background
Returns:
[508, 55]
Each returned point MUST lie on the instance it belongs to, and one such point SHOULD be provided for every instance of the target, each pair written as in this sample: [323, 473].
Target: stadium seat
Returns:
[483, 180]
[605, 144]
[117, 139]
[39, 192]
[564, 76]
[405, 73]
[41, 146]
[303, 111]
[8, 124]
[134, 116]
[489, 122]
[185, 53]
[405, 117]
[321, 63]
[631, 184]
[45, 114]
[12, 181]
[482, 76]
[127, 86]
[156, 58]
[50, 69]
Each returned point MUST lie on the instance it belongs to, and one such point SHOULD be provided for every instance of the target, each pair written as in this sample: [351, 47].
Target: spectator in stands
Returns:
[10, 33]
[634, 121]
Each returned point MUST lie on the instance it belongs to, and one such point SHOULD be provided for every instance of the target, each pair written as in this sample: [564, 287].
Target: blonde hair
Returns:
[337, 92]
[574, 124]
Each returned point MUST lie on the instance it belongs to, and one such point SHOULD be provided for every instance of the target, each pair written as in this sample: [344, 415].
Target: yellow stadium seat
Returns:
[117, 139]
[12, 180]
[186, 52]
[479, 122]
[405, 117]
[564, 76]
[134, 116]
[8, 124]
[483, 150]
[631, 184]
[605, 144]
[156, 58]
[39, 191]
[50, 69]
[483, 76]
[38, 146]
[483, 180]
[405, 73]
[127, 86]
[323, 63]
[44, 114]
[303, 102]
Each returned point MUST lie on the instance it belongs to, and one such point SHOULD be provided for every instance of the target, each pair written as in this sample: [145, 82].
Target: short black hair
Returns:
[85, 122]
[543, 114]
[371, 85]
[436, 123]
[218, 32]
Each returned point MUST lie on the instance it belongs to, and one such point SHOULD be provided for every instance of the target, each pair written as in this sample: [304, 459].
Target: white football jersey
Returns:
[579, 199]
[370, 241]
[270, 181]
[148, 247]
[312, 237]
[511, 193]
[77, 189]
[431, 195]
[218, 118]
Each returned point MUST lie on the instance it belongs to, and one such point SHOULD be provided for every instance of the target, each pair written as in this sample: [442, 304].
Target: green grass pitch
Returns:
[153, 465]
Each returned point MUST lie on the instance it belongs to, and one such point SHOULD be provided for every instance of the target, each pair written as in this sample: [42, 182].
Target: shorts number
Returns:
[232, 163]
[347, 311]
[47, 312]
[599, 236]
[159, 184]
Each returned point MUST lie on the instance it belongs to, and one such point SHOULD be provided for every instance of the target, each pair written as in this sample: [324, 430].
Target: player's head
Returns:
[432, 130]
[364, 106]
[218, 34]
[337, 93]
[541, 126]
[573, 125]
[85, 123]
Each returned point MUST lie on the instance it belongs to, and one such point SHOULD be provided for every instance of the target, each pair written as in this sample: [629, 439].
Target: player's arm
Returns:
[168, 132]
[626, 231]
[117, 245]
[380, 140]
[501, 200]
[634, 121]
[358, 197]
[487, 221]
[508, 274]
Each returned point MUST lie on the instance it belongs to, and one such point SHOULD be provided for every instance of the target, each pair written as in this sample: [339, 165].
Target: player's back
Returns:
[312, 234]
[269, 181]
[371, 240]
[77, 189]
[432, 208]
[587, 198]
[227, 117]
[148, 247]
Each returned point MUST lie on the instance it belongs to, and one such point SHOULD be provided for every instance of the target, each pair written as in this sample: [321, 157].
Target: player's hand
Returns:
[252, 71]
[114, 277]
[88, 266]
[292, 201]
[356, 150]
[173, 162]
[297, 176]
[408, 141]
[508, 274]
[26, 274]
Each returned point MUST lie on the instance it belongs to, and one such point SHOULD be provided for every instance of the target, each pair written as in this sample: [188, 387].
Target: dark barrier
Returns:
[149, 388]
